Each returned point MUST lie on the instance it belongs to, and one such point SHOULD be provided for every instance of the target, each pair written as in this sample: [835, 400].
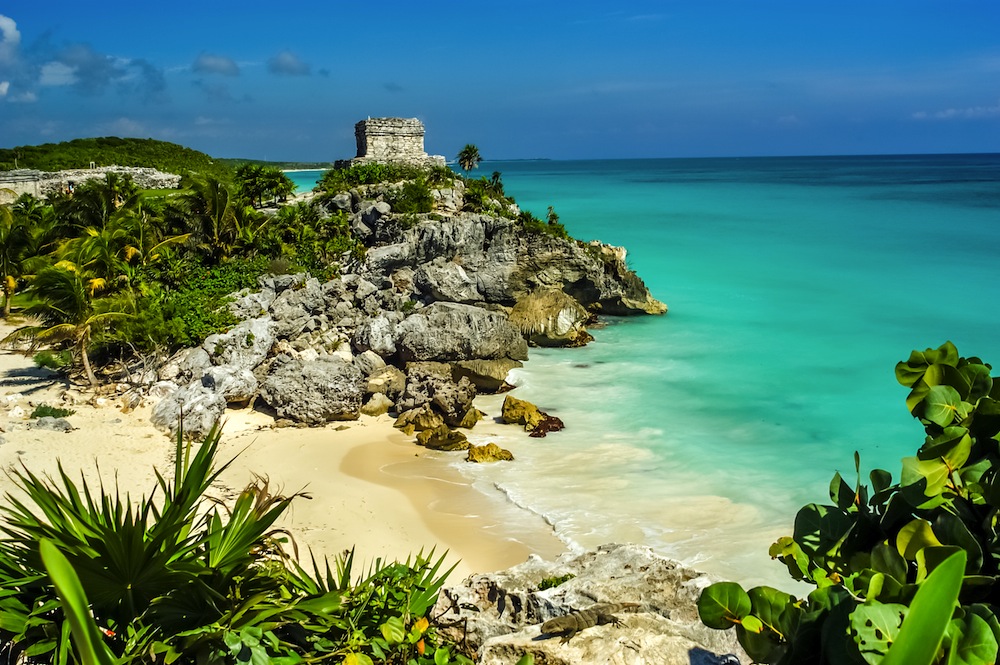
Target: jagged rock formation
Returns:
[499, 615]
[442, 307]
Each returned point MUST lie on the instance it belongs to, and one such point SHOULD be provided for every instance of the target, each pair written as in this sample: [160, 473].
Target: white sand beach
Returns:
[372, 488]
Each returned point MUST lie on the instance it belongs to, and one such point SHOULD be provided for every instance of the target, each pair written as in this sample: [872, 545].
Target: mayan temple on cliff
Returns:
[392, 140]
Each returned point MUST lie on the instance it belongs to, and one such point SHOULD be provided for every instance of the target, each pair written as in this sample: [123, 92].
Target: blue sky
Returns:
[519, 79]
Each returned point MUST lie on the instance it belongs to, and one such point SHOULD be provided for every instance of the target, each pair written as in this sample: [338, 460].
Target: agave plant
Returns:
[177, 577]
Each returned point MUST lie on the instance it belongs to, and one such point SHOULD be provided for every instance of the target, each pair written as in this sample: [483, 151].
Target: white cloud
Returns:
[57, 74]
[968, 113]
[207, 63]
[4, 87]
[10, 39]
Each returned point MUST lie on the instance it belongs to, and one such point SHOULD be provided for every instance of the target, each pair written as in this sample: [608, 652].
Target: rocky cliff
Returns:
[467, 291]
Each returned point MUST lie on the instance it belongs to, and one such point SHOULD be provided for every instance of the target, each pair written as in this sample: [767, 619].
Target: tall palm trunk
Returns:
[85, 358]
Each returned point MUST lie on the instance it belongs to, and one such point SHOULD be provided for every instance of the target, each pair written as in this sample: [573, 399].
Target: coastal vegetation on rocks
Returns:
[877, 549]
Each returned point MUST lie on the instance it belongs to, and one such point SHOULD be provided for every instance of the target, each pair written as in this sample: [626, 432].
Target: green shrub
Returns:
[414, 197]
[372, 173]
[553, 582]
[55, 360]
[43, 410]
[870, 553]
[532, 224]
[181, 579]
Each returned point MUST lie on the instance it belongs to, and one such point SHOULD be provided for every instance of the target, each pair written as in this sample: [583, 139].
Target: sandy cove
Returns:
[372, 488]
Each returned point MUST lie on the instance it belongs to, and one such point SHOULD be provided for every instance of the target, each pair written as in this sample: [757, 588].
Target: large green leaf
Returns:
[915, 536]
[943, 406]
[972, 641]
[723, 605]
[874, 627]
[889, 561]
[980, 382]
[86, 636]
[952, 446]
[919, 639]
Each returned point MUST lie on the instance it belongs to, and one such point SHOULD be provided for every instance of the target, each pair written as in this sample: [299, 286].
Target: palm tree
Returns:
[67, 311]
[212, 208]
[13, 242]
[468, 157]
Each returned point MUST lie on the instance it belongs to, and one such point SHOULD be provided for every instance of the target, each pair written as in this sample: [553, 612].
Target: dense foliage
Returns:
[180, 579]
[110, 151]
[871, 551]
[112, 270]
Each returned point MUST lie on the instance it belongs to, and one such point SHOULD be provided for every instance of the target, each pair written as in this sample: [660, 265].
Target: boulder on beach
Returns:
[316, 392]
[443, 438]
[445, 331]
[551, 318]
[421, 418]
[194, 407]
[521, 412]
[491, 452]
[488, 376]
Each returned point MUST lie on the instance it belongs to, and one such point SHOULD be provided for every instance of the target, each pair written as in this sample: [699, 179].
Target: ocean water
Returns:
[304, 179]
[794, 287]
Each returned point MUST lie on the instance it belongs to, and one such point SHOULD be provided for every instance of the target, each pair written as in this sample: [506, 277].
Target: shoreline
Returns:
[372, 487]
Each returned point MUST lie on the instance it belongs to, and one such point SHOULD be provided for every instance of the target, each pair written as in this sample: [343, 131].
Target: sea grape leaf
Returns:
[986, 614]
[972, 641]
[842, 494]
[951, 530]
[914, 537]
[946, 375]
[887, 560]
[752, 624]
[789, 552]
[915, 399]
[818, 528]
[775, 609]
[723, 604]
[874, 627]
[930, 558]
[953, 445]
[881, 479]
[943, 405]
[980, 381]
[933, 472]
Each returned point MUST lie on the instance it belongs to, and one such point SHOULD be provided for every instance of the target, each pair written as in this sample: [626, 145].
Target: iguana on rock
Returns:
[570, 624]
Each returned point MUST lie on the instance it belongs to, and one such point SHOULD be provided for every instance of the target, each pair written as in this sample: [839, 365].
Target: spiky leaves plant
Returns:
[469, 158]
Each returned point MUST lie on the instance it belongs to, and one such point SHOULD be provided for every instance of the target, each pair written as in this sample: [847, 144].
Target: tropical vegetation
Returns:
[178, 577]
[875, 551]
[468, 157]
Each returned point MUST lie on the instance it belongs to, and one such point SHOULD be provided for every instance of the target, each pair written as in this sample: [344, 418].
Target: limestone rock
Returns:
[389, 380]
[419, 419]
[200, 408]
[431, 383]
[447, 280]
[521, 412]
[488, 376]
[369, 363]
[551, 318]
[185, 365]
[316, 392]
[376, 334]
[499, 614]
[442, 438]
[246, 345]
[450, 331]
[237, 384]
[491, 452]
[471, 417]
[377, 405]
[52, 423]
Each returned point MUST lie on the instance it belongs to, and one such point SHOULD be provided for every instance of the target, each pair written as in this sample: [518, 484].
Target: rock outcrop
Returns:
[499, 615]
[315, 392]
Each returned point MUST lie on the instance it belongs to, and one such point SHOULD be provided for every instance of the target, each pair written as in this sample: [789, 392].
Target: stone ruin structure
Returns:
[42, 183]
[391, 140]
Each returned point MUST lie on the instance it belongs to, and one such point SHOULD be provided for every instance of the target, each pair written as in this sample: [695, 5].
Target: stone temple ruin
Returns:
[391, 140]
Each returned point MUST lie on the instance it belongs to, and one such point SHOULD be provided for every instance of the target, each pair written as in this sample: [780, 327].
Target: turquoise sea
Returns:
[794, 287]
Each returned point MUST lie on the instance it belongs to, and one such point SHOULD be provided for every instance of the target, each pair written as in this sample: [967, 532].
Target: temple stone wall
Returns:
[42, 183]
[397, 140]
